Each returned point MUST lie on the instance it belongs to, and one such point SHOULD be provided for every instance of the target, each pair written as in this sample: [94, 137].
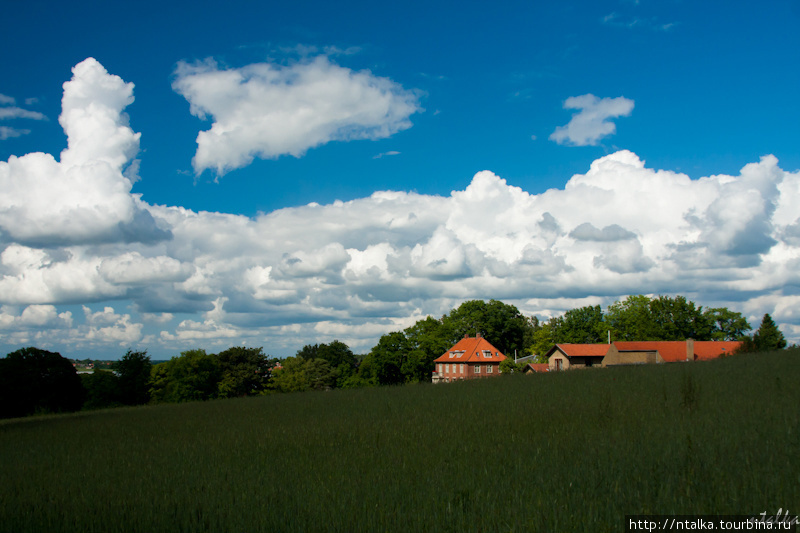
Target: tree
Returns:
[677, 319]
[727, 325]
[243, 372]
[581, 326]
[102, 389]
[768, 336]
[337, 354]
[629, 320]
[194, 375]
[38, 381]
[134, 371]
[427, 339]
[501, 324]
[298, 374]
[385, 360]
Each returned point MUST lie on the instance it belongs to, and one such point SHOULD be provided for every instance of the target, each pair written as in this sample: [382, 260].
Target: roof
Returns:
[471, 350]
[580, 350]
[670, 351]
[704, 350]
[539, 367]
[674, 351]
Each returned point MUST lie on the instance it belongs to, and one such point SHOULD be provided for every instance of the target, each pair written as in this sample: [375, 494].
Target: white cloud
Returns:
[17, 112]
[7, 132]
[592, 123]
[266, 110]
[354, 270]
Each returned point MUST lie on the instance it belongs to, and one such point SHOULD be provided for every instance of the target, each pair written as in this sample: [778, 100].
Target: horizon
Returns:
[281, 175]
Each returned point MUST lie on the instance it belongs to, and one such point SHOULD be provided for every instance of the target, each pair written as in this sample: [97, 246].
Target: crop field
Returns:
[572, 451]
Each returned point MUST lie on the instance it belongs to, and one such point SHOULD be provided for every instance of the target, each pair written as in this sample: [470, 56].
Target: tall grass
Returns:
[573, 451]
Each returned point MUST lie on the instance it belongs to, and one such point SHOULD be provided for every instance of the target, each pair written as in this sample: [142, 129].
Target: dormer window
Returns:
[452, 354]
[487, 353]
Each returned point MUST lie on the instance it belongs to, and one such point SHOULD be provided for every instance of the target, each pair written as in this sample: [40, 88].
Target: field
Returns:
[573, 451]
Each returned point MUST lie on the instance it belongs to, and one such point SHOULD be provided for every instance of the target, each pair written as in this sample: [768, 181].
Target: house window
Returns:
[477, 369]
[440, 368]
[447, 368]
[462, 367]
[489, 369]
[558, 364]
[487, 353]
[452, 354]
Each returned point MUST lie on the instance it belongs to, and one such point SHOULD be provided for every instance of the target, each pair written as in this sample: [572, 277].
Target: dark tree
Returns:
[38, 381]
[194, 375]
[244, 371]
[338, 355]
[102, 390]
[768, 336]
[134, 378]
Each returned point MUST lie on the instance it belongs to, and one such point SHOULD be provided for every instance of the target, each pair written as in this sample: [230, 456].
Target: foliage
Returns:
[134, 371]
[194, 375]
[38, 381]
[392, 458]
[501, 324]
[338, 355]
[102, 389]
[508, 366]
[386, 359]
[243, 372]
[768, 336]
[298, 375]
[727, 325]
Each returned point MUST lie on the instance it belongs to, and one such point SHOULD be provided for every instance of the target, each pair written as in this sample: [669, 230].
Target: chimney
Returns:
[466, 335]
[478, 335]
[690, 349]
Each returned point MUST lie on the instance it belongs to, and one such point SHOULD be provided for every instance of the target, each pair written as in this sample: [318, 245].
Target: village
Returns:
[475, 357]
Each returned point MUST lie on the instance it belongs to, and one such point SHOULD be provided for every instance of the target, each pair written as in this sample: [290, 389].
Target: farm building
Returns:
[469, 358]
[564, 356]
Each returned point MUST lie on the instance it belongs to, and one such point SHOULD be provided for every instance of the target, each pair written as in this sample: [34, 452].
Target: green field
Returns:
[573, 451]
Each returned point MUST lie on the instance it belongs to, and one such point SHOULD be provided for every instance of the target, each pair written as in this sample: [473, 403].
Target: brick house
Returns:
[469, 358]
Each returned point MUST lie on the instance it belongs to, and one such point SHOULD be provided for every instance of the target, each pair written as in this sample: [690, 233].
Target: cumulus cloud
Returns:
[85, 196]
[354, 270]
[266, 110]
[592, 123]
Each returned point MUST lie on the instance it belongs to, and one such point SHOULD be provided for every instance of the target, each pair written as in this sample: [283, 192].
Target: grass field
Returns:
[573, 451]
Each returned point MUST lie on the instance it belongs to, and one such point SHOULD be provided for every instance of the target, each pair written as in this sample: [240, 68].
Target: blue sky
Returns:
[631, 147]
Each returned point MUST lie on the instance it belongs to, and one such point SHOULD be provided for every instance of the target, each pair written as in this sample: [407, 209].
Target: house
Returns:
[469, 358]
[564, 356]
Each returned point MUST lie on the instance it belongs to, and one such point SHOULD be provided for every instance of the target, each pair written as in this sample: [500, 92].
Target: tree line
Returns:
[37, 381]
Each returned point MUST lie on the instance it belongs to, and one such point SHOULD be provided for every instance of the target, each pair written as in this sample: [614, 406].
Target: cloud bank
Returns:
[267, 110]
[592, 122]
[72, 234]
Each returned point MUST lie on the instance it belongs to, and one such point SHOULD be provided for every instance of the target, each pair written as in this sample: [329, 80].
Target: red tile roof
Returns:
[471, 350]
[705, 350]
[539, 367]
[671, 351]
[674, 351]
[581, 350]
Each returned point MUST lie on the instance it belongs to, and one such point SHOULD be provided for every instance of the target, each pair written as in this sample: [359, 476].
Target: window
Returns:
[452, 354]
[440, 368]
[487, 353]
[477, 369]
[558, 364]
[462, 365]
[447, 368]
[489, 369]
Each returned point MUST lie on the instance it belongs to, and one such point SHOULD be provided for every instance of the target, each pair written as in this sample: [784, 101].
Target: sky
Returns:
[189, 175]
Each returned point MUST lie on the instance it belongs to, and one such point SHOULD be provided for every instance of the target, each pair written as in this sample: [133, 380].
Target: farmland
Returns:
[571, 451]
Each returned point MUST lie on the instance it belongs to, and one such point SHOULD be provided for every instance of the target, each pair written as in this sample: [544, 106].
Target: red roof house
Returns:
[469, 358]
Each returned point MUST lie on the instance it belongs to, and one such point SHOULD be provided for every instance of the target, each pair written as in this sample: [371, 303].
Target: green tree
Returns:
[727, 325]
[768, 336]
[426, 339]
[194, 375]
[629, 320]
[102, 389]
[337, 354]
[134, 371]
[385, 360]
[501, 324]
[298, 374]
[34, 380]
[581, 326]
[243, 372]
[677, 319]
